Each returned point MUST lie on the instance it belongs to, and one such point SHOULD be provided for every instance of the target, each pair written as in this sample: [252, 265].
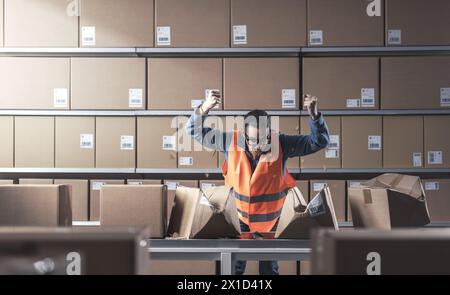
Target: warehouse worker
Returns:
[255, 164]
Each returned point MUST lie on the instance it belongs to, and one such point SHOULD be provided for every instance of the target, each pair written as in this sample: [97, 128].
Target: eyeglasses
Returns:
[255, 141]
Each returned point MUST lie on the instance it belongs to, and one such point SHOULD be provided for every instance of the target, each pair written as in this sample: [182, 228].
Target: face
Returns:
[257, 139]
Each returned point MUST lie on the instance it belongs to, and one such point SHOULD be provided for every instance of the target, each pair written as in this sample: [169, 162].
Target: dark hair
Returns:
[256, 116]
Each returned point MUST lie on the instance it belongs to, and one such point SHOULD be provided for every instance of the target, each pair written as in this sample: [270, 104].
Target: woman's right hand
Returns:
[214, 98]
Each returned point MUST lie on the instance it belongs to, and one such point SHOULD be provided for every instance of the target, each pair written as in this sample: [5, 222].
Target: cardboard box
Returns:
[204, 214]
[403, 142]
[192, 23]
[343, 83]
[362, 142]
[376, 252]
[22, 85]
[191, 154]
[351, 184]
[329, 157]
[298, 219]
[182, 83]
[437, 146]
[35, 205]
[207, 184]
[337, 190]
[270, 83]
[143, 181]
[287, 25]
[183, 267]
[35, 181]
[34, 142]
[116, 143]
[416, 22]
[438, 199]
[116, 23]
[75, 142]
[94, 196]
[7, 143]
[305, 268]
[135, 205]
[171, 190]
[111, 251]
[285, 268]
[108, 83]
[415, 82]
[6, 181]
[79, 199]
[344, 23]
[389, 201]
[288, 126]
[40, 23]
[303, 186]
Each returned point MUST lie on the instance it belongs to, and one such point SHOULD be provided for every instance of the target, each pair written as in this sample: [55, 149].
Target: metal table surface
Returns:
[228, 251]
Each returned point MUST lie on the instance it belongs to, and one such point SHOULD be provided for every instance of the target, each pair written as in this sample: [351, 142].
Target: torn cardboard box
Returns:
[389, 201]
[298, 219]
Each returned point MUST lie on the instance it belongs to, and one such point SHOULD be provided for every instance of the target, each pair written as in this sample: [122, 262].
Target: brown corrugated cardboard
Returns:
[79, 199]
[183, 267]
[135, 205]
[156, 146]
[35, 205]
[403, 142]
[94, 196]
[270, 83]
[191, 154]
[287, 25]
[74, 142]
[116, 23]
[182, 83]
[337, 189]
[171, 189]
[108, 83]
[22, 83]
[116, 143]
[415, 82]
[343, 82]
[192, 23]
[298, 219]
[34, 142]
[417, 22]
[143, 181]
[362, 142]
[376, 252]
[40, 23]
[351, 184]
[303, 186]
[344, 23]
[289, 126]
[285, 268]
[389, 201]
[7, 143]
[29, 181]
[438, 199]
[437, 145]
[325, 158]
[6, 181]
[206, 184]
[305, 268]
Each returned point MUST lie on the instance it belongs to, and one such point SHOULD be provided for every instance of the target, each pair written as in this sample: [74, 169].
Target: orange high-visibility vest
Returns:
[259, 195]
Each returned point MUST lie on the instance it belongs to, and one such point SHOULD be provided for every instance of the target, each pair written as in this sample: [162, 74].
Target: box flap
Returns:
[183, 212]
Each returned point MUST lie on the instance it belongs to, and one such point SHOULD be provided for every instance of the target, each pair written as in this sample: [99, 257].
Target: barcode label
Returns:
[374, 142]
[288, 100]
[207, 185]
[169, 143]
[195, 103]
[127, 142]
[431, 186]
[172, 186]
[331, 154]
[353, 103]
[60, 97]
[316, 37]
[97, 185]
[368, 97]
[435, 157]
[86, 141]
[445, 97]
[334, 142]
[417, 159]
[186, 161]
[135, 97]
[88, 36]
[240, 35]
[135, 183]
[317, 187]
[394, 37]
[163, 36]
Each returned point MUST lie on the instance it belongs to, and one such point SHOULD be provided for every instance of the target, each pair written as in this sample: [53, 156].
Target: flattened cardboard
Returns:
[80, 197]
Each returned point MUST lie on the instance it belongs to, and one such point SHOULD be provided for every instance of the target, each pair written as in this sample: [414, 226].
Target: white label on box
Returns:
[288, 99]
[195, 103]
[172, 186]
[240, 35]
[127, 142]
[135, 183]
[169, 143]
[445, 97]
[186, 161]
[207, 91]
[394, 37]
[318, 186]
[135, 98]
[334, 142]
[331, 154]
[353, 103]
[88, 36]
[435, 157]
[86, 141]
[60, 97]
[316, 37]
[367, 97]
[374, 142]
[97, 185]
[417, 159]
[354, 184]
[163, 36]
[207, 185]
[431, 186]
